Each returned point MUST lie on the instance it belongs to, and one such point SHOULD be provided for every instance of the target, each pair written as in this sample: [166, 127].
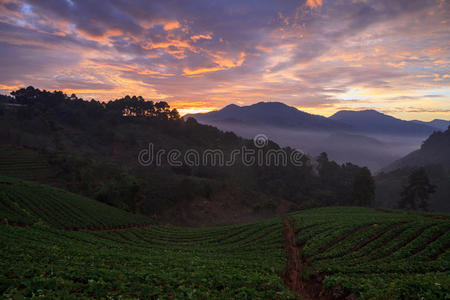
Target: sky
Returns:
[320, 56]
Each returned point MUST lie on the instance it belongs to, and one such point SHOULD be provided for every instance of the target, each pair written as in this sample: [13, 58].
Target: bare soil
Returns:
[310, 287]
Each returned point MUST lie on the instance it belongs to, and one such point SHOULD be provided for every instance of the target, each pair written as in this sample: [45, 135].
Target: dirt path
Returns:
[292, 274]
[305, 288]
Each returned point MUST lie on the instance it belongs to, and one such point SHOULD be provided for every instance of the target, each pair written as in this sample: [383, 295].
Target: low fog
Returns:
[373, 151]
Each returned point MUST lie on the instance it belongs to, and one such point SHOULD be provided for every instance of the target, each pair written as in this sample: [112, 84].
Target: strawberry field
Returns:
[236, 262]
[25, 202]
[378, 255]
[56, 244]
[24, 163]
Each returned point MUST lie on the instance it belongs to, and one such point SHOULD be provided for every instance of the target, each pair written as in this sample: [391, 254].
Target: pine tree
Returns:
[418, 190]
[363, 188]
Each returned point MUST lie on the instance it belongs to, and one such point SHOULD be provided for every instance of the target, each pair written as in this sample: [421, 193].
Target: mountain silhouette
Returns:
[365, 137]
[433, 156]
[434, 151]
[269, 114]
[278, 114]
[372, 121]
[436, 123]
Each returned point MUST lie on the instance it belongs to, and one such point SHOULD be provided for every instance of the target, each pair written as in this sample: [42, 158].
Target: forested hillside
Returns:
[434, 157]
[92, 148]
[434, 150]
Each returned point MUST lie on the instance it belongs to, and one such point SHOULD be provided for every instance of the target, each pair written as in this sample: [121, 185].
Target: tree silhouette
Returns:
[418, 190]
[363, 188]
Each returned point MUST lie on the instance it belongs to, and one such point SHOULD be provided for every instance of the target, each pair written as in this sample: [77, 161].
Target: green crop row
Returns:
[378, 255]
[44, 262]
[27, 203]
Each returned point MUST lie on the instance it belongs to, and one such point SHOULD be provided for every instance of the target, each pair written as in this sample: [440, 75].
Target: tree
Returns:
[363, 191]
[322, 160]
[418, 190]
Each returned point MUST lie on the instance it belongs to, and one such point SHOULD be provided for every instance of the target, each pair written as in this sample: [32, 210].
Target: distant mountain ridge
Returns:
[269, 113]
[437, 123]
[281, 115]
[365, 137]
[372, 121]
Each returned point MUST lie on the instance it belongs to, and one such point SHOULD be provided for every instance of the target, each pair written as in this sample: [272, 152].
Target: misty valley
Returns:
[225, 149]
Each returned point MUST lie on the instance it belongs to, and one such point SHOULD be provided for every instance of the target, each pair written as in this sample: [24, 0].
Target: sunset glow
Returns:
[320, 56]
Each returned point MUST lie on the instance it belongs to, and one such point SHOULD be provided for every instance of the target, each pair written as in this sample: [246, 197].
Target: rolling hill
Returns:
[346, 252]
[27, 203]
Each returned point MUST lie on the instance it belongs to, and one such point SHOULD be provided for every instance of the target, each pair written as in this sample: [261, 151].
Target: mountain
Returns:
[435, 150]
[269, 114]
[436, 123]
[119, 154]
[433, 156]
[367, 138]
[372, 121]
[281, 115]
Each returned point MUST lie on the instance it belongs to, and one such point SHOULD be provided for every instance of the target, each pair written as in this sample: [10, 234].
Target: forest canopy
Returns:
[93, 146]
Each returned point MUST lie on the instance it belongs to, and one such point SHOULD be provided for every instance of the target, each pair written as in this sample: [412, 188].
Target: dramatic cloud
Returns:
[318, 55]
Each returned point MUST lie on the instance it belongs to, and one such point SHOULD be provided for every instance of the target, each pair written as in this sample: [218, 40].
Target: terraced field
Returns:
[24, 202]
[41, 259]
[346, 251]
[142, 263]
[24, 163]
[377, 255]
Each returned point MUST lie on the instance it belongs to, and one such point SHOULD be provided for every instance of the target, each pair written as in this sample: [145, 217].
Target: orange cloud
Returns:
[290, 58]
[228, 63]
[10, 87]
[190, 106]
[222, 63]
[170, 25]
[101, 38]
[264, 49]
[189, 71]
[313, 3]
[175, 43]
[201, 36]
